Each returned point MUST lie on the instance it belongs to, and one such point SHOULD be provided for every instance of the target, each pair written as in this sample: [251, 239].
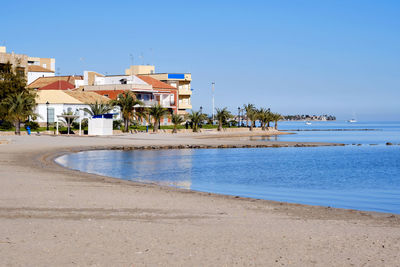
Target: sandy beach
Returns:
[52, 216]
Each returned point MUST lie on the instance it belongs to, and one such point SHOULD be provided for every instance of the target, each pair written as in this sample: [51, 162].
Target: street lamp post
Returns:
[47, 117]
[238, 116]
[213, 89]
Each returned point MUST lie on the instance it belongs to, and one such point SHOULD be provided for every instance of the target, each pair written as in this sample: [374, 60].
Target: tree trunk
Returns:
[155, 127]
[251, 126]
[17, 127]
[276, 125]
[175, 130]
[268, 124]
[219, 126]
[126, 125]
[263, 126]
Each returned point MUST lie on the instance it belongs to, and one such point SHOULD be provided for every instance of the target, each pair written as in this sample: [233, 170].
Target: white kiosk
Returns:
[101, 125]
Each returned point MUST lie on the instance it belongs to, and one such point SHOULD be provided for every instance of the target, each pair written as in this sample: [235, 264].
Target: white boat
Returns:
[352, 120]
[308, 123]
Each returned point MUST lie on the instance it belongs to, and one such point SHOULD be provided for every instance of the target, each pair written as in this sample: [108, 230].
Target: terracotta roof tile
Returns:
[43, 81]
[58, 85]
[88, 97]
[55, 97]
[36, 68]
[69, 97]
[155, 83]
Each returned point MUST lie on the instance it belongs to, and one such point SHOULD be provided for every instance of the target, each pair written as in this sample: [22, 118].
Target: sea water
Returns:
[365, 177]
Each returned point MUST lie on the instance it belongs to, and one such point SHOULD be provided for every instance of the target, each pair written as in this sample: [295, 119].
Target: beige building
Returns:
[181, 81]
[17, 60]
[47, 63]
[22, 62]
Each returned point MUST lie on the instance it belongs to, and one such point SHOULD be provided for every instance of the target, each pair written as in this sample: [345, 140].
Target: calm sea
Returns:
[365, 177]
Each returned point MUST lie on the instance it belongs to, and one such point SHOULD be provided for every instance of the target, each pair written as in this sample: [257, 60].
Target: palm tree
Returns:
[222, 116]
[276, 117]
[126, 102]
[98, 108]
[264, 116]
[18, 107]
[196, 117]
[251, 114]
[270, 118]
[176, 120]
[157, 112]
[140, 115]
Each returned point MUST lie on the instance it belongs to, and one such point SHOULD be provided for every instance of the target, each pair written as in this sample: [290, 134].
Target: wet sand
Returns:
[50, 215]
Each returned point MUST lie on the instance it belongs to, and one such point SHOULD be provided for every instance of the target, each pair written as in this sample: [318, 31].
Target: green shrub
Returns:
[117, 124]
[32, 124]
[6, 125]
[75, 124]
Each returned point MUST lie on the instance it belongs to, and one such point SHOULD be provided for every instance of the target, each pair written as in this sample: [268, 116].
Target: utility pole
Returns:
[213, 89]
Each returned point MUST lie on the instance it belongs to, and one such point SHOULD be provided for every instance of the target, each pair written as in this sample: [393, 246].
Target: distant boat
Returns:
[353, 119]
[308, 123]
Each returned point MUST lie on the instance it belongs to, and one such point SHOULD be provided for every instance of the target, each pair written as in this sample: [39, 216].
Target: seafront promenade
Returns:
[50, 215]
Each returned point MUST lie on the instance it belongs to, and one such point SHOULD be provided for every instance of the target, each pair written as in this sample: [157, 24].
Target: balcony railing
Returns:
[184, 105]
[184, 92]
[149, 103]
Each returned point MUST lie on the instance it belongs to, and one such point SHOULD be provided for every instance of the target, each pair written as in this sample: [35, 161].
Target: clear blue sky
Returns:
[296, 57]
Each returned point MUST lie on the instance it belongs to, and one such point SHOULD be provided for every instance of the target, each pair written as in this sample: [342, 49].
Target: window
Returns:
[106, 95]
[51, 115]
[45, 66]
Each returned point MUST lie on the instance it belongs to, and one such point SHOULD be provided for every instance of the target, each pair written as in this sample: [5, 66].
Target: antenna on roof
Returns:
[141, 57]
[59, 82]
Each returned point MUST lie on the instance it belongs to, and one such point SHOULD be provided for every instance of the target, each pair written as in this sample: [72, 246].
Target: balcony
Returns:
[184, 92]
[149, 103]
[184, 105]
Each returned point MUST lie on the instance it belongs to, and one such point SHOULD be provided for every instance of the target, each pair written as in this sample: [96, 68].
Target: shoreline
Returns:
[42, 199]
[52, 157]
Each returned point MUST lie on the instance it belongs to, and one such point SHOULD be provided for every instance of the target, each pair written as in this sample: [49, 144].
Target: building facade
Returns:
[32, 67]
[181, 81]
[35, 72]
[148, 90]
[52, 103]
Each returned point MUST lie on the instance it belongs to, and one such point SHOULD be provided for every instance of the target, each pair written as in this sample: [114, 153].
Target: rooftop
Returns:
[58, 85]
[43, 81]
[155, 83]
[69, 97]
[35, 68]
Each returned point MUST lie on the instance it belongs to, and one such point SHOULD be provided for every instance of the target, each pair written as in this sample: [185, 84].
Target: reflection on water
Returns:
[170, 167]
[365, 177]
[263, 138]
